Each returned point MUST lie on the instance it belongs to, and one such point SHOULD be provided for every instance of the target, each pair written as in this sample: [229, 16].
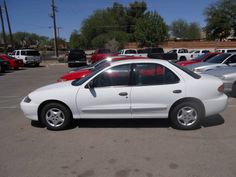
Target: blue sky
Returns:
[33, 15]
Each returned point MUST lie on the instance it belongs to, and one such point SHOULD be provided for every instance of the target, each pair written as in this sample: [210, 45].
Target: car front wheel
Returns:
[186, 116]
[55, 116]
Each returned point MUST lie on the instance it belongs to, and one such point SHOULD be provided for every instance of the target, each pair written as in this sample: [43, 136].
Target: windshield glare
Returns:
[219, 58]
[94, 72]
[200, 57]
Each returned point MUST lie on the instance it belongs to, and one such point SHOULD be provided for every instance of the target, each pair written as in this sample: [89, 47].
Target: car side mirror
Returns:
[90, 85]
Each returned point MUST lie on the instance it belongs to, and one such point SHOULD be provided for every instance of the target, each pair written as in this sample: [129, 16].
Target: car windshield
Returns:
[94, 71]
[218, 58]
[104, 51]
[172, 51]
[76, 52]
[30, 53]
[189, 72]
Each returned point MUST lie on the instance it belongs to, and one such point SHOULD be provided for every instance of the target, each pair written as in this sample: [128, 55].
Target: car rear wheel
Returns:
[56, 116]
[186, 116]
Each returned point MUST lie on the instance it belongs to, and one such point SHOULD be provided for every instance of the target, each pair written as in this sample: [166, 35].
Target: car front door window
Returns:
[116, 76]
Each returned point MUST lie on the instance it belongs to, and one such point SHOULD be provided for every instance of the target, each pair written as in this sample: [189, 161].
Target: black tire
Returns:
[1, 69]
[57, 107]
[193, 119]
[182, 58]
[36, 64]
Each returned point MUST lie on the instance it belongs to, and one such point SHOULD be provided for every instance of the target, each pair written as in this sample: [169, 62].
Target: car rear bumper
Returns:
[28, 62]
[30, 110]
[216, 105]
[77, 62]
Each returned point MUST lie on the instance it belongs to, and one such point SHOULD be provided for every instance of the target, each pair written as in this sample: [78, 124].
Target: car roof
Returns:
[147, 60]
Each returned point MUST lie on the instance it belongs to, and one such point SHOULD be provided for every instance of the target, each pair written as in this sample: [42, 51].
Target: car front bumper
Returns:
[30, 110]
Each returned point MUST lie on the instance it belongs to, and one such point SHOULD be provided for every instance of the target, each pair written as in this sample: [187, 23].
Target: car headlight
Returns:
[27, 99]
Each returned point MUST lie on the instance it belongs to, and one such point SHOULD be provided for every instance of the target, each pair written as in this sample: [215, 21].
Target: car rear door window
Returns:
[116, 76]
[153, 74]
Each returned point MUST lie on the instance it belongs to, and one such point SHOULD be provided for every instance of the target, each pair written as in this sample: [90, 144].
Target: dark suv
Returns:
[76, 57]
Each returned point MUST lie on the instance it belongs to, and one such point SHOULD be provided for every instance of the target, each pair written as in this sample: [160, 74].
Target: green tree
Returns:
[179, 28]
[184, 30]
[150, 29]
[135, 11]
[74, 40]
[221, 19]
[99, 27]
[193, 31]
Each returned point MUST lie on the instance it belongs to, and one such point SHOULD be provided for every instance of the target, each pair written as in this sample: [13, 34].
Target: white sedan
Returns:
[218, 61]
[143, 88]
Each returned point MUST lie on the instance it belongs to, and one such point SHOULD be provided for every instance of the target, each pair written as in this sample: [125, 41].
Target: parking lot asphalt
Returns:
[108, 148]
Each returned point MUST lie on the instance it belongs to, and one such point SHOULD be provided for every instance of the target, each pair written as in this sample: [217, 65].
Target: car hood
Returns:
[221, 71]
[59, 85]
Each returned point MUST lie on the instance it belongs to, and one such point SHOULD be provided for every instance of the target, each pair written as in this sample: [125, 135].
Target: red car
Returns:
[100, 54]
[85, 71]
[200, 58]
[13, 62]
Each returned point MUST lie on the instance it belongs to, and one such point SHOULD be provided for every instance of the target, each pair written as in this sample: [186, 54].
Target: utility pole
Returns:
[58, 32]
[3, 31]
[9, 24]
[54, 27]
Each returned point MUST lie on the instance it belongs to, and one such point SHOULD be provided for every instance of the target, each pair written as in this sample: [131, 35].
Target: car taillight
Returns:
[221, 88]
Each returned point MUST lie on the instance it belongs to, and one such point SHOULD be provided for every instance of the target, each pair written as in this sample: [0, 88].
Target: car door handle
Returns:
[123, 93]
[177, 91]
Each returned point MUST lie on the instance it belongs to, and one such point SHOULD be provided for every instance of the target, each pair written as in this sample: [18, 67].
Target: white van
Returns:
[29, 56]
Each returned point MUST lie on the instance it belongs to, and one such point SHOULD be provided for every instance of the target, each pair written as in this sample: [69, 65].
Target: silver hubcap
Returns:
[187, 116]
[55, 117]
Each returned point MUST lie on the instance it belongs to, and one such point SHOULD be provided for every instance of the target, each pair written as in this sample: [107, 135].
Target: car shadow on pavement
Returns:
[212, 121]
[114, 123]
[122, 123]
[132, 123]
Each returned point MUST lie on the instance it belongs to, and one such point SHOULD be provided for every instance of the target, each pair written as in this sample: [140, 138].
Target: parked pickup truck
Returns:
[183, 54]
[128, 52]
[158, 53]
[29, 56]
[152, 52]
